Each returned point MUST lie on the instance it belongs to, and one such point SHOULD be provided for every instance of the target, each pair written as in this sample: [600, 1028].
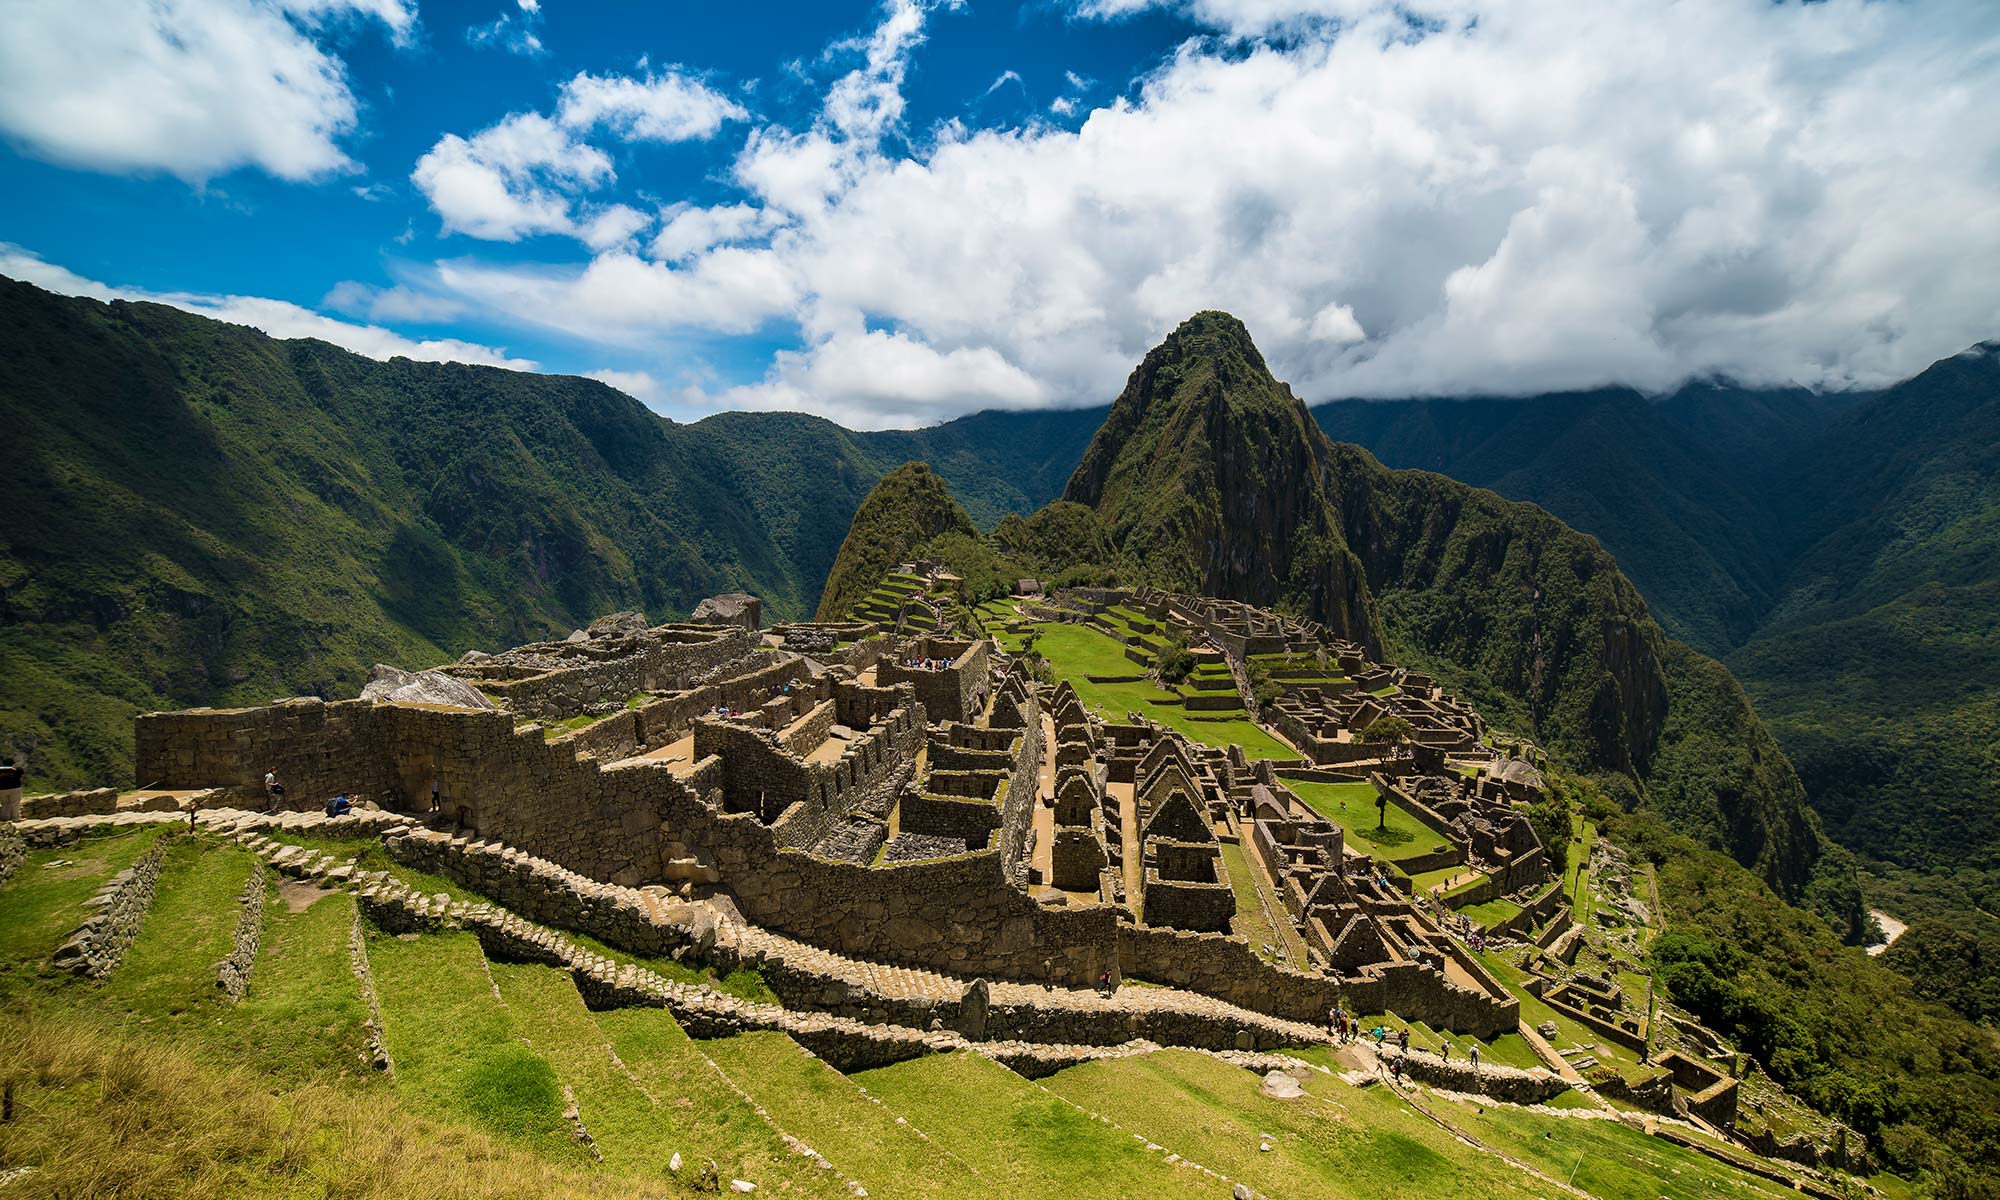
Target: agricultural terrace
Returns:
[1076, 653]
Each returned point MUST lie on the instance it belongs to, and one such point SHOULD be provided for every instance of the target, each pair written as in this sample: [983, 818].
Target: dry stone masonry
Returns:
[119, 906]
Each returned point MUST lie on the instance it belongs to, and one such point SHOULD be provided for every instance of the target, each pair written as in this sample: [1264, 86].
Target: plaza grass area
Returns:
[1352, 807]
[1075, 652]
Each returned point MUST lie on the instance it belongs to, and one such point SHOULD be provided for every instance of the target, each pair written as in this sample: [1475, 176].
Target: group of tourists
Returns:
[926, 664]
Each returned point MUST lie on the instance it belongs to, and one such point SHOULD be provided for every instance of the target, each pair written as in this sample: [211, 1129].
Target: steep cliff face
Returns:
[1206, 472]
[1211, 476]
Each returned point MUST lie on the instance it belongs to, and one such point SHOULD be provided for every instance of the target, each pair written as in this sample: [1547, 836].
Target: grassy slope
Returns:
[1022, 1140]
[862, 1137]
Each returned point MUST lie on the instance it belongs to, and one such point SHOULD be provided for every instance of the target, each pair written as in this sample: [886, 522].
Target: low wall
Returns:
[13, 852]
[1226, 968]
[84, 802]
[120, 905]
[232, 974]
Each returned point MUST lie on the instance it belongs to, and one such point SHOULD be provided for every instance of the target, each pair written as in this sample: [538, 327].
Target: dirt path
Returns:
[1891, 930]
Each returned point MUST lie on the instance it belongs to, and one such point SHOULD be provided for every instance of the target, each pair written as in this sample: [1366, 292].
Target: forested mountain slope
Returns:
[1841, 553]
[1210, 475]
[196, 513]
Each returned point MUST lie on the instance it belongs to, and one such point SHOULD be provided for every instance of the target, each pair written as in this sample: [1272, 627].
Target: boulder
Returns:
[1280, 1086]
[618, 625]
[395, 685]
[731, 608]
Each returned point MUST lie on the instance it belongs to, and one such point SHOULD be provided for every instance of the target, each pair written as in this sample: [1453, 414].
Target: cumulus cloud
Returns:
[530, 174]
[666, 108]
[880, 380]
[278, 318]
[512, 179]
[193, 88]
[1494, 196]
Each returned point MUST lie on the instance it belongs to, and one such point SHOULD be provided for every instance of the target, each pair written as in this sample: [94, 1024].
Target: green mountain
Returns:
[900, 517]
[1209, 474]
[1841, 554]
[199, 514]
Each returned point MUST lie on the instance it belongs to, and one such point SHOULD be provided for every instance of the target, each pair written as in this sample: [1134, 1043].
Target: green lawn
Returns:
[1608, 1158]
[1338, 1143]
[457, 1050]
[43, 902]
[1019, 1138]
[1491, 912]
[167, 979]
[814, 1102]
[1076, 651]
[699, 1112]
[1352, 807]
[303, 1019]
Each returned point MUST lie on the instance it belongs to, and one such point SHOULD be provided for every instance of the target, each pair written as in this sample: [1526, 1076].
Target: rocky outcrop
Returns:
[395, 685]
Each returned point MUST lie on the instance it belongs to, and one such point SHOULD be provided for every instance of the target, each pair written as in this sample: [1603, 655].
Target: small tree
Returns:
[1173, 661]
[1390, 731]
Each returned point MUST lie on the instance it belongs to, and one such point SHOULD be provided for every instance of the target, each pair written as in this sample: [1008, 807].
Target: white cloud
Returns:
[509, 180]
[529, 174]
[1545, 197]
[193, 88]
[518, 32]
[867, 102]
[392, 304]
[278, 318]
[878, 380]
[1002, 80]
[664, 108]
[689, 230]
[639, 385]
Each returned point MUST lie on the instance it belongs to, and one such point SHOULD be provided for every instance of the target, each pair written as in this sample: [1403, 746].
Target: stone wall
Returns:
[1226, 968]
[973, 821]
[662, 659]
[13, 852]
[119, 906]
[86, 802]
[232, 974]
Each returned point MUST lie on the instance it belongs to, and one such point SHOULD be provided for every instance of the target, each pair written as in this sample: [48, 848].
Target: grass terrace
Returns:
[1076, 652]
[1352, 807]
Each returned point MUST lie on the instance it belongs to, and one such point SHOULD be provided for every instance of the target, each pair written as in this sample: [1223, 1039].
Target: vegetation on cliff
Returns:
[908, 508]
[1838, 551]
[199, 514]
[1211, 476]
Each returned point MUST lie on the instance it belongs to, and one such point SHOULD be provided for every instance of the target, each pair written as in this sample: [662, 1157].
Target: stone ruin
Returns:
[904, 800]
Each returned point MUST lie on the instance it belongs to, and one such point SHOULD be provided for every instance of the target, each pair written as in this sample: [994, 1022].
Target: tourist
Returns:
[1474, 1052]
[337, 806]
[274, 792]
[436, 802]
[1403, 1041]
[1446, 1051]
[10, 789]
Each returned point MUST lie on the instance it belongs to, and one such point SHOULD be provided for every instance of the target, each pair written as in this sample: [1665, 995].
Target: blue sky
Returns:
[893, 213]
